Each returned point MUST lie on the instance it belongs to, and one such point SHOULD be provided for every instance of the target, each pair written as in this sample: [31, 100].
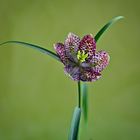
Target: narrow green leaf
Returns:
[75, 124]
[105, 27]
[85, 101]
[43, 50]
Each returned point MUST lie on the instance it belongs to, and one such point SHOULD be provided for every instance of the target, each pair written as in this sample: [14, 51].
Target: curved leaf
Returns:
[43, 50]
[85, 101]
[75, 124]
[105, 27]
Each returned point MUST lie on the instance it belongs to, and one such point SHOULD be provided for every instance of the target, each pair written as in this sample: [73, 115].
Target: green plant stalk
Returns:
[79, 94]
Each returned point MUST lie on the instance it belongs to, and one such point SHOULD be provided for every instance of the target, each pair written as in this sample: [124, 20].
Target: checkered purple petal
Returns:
[73, 72]
[100, 60]
[72, 40]
[88, 44]
[60, 50]
[71, 45]
[89, 75]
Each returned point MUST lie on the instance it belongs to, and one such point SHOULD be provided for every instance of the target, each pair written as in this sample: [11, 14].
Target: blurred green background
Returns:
[37, 99]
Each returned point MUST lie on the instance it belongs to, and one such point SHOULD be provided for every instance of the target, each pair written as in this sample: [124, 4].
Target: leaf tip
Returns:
[120, 17]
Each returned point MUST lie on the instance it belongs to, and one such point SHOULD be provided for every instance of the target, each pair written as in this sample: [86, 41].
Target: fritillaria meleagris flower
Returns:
[80, 58]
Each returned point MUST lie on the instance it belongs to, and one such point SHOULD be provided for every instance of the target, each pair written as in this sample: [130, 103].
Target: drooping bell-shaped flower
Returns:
[80, 58]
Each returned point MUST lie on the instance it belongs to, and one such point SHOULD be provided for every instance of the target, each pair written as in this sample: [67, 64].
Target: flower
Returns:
[80, 58]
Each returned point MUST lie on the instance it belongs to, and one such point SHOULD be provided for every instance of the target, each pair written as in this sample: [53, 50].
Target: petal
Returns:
[72, 44]
[88, 44]
[73, 72]
[60, 50]
[100, 60]
[72, 40]
[89, 75]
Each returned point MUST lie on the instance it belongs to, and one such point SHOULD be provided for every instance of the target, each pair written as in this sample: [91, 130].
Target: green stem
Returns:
[79, 94]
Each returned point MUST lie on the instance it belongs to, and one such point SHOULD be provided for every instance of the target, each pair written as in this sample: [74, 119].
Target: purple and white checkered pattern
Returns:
[87, 71]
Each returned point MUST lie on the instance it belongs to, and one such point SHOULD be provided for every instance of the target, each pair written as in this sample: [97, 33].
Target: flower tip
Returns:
[91, 35]
[108, 58]
[70, 33]
[54, 45]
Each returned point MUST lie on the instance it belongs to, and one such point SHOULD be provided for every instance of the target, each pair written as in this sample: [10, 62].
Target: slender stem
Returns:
[79, 94]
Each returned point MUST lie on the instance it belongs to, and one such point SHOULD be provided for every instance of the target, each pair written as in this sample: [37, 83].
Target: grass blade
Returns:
[75, 124]
[43, 50]
[85, 101]
[105, 27]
